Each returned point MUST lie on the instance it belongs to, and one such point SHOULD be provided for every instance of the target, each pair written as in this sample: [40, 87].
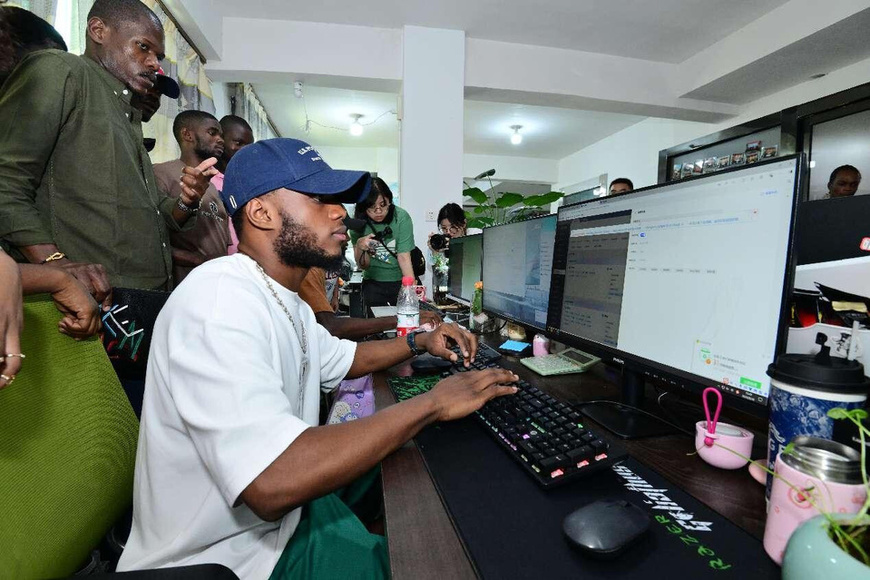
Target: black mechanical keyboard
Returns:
[547, 437]
[485, 356]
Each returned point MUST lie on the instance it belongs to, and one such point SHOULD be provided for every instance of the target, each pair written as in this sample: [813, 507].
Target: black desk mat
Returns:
[511, 528]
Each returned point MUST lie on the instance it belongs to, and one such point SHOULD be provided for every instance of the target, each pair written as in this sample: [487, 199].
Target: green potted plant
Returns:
[506, 207]
[833, 545]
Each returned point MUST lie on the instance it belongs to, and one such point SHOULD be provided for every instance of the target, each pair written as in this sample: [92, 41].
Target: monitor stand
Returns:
[625, 422]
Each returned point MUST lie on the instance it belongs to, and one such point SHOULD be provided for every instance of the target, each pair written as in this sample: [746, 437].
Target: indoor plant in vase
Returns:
[833, 545]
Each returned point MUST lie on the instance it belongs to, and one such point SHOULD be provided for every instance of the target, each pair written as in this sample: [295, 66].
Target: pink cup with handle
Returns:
[825, 477]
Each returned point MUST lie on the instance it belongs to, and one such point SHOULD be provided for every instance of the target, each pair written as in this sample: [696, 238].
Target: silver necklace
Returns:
[303, 338]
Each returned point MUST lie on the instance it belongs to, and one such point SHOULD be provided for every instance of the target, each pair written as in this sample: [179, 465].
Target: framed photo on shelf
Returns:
[769, 152]
[724, 162]
[753, 146]
[752, 157]
[737, 159]
[710, 165]
[676, 173]
[698, 169]
[687, 169]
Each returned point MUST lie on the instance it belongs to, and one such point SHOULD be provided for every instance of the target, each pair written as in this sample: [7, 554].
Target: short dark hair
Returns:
[842, 168]
[453, 213]
[379, 188]
[228, 121]
[188, 120]
[115, 12]
[619, 180]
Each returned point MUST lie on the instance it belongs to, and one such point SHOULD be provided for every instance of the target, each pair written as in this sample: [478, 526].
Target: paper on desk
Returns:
[382, 311]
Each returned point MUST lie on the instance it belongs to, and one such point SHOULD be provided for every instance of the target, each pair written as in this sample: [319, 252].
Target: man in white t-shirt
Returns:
[231, 466]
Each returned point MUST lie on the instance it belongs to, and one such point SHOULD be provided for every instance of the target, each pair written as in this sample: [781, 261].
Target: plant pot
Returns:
[811, 554]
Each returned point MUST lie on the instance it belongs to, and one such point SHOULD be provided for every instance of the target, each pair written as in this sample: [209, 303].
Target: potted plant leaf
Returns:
[506, 207]
[834, 545]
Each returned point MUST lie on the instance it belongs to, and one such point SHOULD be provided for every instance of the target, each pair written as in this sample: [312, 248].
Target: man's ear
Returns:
[187, 134]
[263, 214]
[97, 30]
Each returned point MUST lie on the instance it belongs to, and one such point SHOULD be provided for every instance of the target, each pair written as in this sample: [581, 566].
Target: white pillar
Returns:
[430, 166]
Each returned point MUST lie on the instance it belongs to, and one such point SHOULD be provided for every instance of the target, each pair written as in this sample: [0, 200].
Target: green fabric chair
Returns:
[67, 450]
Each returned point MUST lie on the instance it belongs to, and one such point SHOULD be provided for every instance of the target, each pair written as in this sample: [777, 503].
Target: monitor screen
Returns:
[463, 267]
[517, 264]
[685, 281]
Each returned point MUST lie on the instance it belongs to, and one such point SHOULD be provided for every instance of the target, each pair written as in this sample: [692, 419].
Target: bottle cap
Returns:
[407, 281]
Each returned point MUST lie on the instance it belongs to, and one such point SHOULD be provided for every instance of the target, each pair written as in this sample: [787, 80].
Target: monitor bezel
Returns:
[460, 299]
[671, 376]
[496, 313]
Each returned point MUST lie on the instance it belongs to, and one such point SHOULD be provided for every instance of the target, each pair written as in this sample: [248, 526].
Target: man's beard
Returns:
[202, 152]
[296, 245]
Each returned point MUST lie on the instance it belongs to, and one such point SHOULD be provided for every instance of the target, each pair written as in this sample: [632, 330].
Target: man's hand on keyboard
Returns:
[430, 317]
[438, 342]
[458, 395]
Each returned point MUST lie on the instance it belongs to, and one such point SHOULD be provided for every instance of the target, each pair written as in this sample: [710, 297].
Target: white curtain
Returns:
[247, 106]
[45, 9]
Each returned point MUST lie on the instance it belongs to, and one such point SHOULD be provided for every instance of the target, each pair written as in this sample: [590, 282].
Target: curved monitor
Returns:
[517, 264]
[685, 282]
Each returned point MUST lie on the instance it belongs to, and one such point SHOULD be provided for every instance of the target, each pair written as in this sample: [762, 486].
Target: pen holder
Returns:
[733, 438]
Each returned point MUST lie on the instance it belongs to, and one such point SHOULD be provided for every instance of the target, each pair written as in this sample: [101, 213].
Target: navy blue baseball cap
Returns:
[270, 164]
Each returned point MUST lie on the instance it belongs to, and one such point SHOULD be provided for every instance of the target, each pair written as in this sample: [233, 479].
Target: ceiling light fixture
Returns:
[516, 138]
[355, 128]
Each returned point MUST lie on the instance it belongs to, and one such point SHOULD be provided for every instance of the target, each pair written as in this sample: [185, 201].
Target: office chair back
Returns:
[67, 450]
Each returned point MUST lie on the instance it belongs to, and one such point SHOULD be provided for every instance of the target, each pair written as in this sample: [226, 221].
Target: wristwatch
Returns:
[412, 344]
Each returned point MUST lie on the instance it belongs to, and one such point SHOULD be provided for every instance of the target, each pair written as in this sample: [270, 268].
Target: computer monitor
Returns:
[517, 264]
[684, 282]
[463, 267]
[833, 229]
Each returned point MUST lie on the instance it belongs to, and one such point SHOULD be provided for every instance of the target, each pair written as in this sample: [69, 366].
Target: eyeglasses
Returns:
[379, 208]
[450, 230]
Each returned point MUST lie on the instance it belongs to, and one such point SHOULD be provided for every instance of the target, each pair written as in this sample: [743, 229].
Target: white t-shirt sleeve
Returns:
[336, 358]
[226, 389]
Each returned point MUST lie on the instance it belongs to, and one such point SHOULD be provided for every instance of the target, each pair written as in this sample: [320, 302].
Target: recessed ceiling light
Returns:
[355, 128]
[516, 138]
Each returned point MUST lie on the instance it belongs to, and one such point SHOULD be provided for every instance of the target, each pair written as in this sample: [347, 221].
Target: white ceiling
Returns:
[548, 132]
[332, 107]
[660, 30]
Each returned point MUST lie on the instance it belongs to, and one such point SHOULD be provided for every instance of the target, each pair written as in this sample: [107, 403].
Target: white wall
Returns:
[221, 97]
[632, 153]
[512, 168]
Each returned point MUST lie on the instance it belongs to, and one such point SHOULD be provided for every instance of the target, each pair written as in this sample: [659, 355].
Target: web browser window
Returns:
[689, 275]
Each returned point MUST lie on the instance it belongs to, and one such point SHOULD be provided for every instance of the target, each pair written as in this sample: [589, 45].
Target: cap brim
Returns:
[350, 186]
[167, 86]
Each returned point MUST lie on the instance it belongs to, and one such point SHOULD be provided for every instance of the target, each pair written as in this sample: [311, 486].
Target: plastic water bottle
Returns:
[407, 308]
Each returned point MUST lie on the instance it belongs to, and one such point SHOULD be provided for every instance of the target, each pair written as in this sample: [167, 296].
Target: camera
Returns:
[383, 234]
[439, 242]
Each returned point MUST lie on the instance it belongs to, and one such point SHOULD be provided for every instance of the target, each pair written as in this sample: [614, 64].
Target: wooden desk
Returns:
[422, 541]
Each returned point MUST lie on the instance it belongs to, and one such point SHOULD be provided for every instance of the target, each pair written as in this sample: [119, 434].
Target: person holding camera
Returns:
[383, 248]
[451, 223]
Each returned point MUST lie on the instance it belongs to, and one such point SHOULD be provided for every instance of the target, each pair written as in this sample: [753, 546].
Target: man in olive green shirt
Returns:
[77, 189]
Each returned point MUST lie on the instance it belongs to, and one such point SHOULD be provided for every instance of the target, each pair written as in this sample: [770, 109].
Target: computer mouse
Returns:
[426, 363]
[605, 528]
